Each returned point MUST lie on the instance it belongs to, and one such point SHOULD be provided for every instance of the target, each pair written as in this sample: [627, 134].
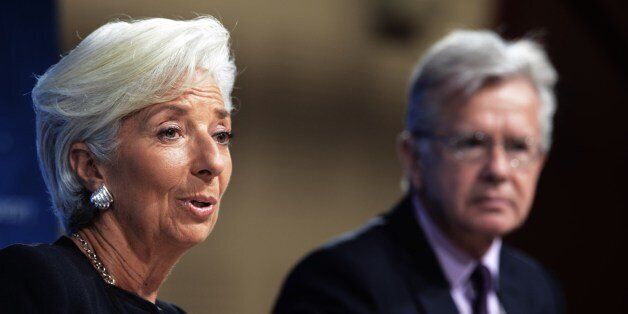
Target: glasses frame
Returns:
[451, 142]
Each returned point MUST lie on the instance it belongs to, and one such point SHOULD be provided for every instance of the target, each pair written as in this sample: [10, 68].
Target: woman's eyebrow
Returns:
[222, 113]
[178, 110]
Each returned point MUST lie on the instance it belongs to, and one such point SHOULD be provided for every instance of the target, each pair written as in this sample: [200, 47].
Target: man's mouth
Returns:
[493, 202]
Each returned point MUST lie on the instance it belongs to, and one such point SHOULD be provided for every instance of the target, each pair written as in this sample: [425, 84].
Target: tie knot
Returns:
[481, 279]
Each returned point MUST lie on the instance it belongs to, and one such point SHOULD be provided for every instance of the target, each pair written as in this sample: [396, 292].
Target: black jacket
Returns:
[388, 267]
[58, 278]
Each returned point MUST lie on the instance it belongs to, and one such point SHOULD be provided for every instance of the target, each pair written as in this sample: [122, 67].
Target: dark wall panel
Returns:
[579, 223]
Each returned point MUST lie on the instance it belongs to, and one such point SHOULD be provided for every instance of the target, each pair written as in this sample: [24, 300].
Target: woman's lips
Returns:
[201, 208]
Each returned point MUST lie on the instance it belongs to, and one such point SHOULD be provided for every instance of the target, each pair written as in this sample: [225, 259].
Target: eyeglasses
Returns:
[477, 147]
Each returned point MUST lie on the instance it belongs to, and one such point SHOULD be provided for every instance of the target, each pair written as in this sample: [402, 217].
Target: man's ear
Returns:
[409, 157]
[85, 166]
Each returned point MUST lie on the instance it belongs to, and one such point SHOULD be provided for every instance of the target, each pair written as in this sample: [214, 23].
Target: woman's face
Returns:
[172, 167]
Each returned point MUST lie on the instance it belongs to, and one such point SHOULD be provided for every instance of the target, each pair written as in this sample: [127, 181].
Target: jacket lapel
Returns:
[511, 295]
[418, 263]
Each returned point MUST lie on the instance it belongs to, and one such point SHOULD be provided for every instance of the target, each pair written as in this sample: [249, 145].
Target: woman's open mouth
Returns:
[200, 204]
[200, 207]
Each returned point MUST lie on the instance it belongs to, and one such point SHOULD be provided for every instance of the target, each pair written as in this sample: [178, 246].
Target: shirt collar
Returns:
[457, 265]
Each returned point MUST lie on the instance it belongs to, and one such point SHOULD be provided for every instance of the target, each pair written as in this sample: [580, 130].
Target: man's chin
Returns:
[495, 226]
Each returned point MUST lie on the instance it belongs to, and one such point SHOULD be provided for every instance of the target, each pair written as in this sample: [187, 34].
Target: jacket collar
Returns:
[419, 265]
[424, 276]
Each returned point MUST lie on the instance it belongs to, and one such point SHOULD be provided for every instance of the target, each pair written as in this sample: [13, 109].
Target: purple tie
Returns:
[482, 283]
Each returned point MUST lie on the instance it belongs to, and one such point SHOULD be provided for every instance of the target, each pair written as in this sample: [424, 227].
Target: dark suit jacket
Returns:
[389, 267]
[58, 278]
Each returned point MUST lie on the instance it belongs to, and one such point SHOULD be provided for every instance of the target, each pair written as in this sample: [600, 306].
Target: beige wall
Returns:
[322, 99]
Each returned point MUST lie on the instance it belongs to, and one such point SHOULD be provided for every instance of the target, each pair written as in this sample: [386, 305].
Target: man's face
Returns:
[483, 189]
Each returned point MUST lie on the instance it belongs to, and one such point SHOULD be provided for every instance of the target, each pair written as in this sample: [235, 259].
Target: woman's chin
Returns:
[191, 234]
[193, 226]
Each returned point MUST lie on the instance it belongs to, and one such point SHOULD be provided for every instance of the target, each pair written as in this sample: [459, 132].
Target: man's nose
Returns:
[210, 159]
[497, 164]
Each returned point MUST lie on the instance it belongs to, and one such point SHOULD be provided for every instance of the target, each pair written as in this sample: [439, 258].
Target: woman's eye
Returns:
[170, 133]
[224, 137]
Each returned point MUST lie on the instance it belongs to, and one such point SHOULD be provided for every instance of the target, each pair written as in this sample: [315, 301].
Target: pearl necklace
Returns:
[94, 259]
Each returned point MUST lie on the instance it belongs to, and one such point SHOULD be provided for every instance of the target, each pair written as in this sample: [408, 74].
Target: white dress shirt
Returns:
[457, 265]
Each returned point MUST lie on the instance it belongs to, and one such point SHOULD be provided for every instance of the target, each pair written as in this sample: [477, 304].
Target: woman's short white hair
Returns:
[120, 68]
[464, 61]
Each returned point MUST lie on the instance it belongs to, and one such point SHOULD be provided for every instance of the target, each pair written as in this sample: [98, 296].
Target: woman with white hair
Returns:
[133, 134]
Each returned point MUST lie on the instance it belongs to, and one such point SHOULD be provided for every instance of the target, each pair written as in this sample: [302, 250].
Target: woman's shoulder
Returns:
[49, 273]
[22, 260]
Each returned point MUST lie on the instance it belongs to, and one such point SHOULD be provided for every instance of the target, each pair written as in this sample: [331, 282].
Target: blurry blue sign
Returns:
[28, 46]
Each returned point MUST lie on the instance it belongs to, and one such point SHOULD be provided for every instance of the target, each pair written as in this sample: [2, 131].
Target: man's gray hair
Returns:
[464, 61]
[118, 69]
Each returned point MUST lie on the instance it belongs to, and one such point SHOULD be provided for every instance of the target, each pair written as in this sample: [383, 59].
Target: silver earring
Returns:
[101, 198]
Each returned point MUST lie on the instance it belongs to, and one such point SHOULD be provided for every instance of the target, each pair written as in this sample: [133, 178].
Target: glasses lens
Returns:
[477, 146]
[469, 146]
[521, 149]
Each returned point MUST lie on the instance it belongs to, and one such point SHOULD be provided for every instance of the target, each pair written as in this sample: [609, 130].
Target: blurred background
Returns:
[321, 96]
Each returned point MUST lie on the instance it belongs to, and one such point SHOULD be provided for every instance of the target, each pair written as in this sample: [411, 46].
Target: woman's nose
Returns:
[210, 158]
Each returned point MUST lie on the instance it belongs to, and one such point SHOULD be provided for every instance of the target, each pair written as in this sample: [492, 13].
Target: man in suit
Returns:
[478, 130]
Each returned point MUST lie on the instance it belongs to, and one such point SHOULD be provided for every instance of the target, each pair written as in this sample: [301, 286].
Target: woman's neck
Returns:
[138, 264]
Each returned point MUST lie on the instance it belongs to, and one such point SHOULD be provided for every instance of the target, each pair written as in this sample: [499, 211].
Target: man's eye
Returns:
[224, 137]
[469, 143]
[171, 133]
[517, 146]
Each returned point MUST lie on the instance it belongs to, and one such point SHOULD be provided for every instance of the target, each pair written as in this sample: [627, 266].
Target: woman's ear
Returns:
[410, 158]
[85, 166]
